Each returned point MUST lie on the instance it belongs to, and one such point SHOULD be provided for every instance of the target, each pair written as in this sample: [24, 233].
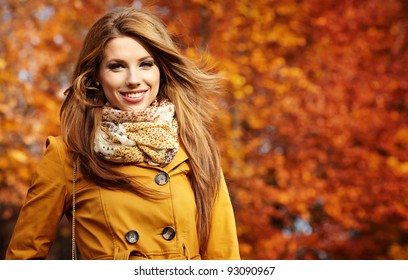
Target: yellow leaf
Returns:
[397, 166]
[3, 64]
[17, 155]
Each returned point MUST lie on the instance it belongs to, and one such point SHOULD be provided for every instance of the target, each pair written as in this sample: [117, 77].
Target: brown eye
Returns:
[115, 66]
[146, 64]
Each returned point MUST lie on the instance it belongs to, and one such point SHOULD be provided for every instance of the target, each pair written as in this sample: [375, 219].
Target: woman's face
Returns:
[129, 75]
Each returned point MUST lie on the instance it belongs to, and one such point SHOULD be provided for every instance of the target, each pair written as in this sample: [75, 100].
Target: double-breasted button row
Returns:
[168, 233]
[132, 236]
[161, 178]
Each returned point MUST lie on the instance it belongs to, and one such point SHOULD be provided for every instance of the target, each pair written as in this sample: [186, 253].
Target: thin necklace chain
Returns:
[73, 212]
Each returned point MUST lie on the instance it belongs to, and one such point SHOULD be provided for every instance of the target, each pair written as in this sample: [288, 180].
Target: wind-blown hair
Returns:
[183, 82]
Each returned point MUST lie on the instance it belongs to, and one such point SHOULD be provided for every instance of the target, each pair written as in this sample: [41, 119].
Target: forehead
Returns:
[125, 47]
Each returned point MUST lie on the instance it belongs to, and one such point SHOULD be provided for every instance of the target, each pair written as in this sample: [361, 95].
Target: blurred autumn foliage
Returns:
[313, 128]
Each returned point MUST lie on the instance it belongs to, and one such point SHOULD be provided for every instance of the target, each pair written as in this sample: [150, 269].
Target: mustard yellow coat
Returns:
[115, 224]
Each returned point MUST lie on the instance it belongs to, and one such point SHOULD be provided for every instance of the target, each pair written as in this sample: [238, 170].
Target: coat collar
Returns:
[180, 157]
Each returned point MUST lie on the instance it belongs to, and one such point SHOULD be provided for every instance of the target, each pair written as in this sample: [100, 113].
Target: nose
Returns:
[133, 78]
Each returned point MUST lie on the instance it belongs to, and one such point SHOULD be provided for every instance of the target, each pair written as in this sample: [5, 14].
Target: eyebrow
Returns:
[122, 61]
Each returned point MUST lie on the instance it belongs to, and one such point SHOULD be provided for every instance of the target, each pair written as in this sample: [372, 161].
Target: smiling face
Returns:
[129, 75]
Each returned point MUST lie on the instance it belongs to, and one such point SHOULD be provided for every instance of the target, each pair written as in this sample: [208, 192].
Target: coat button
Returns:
[132, 236]
[168, 233]
[161, 178]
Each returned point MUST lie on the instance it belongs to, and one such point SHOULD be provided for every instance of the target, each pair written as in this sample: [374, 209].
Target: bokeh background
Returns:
[313, 128]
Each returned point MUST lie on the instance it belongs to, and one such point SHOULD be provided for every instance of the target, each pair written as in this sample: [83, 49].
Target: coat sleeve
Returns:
[223, 240]
[43, 208]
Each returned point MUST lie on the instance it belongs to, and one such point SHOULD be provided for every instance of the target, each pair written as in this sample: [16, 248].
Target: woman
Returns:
[136, 169]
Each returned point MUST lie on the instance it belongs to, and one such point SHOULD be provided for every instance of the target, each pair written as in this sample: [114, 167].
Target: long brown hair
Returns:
[184, 83]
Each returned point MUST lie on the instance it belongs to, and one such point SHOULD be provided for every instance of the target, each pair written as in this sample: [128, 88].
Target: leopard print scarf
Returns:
[148, 136]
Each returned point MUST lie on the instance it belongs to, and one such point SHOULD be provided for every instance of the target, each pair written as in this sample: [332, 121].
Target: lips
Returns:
[134, 96]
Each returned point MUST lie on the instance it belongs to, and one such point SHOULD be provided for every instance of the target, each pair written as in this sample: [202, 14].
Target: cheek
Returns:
[110, 85]
[112, 81]
[155, 79]
[109, 92]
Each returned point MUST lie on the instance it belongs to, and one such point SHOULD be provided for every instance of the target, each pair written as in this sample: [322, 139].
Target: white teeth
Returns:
[134, 95]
